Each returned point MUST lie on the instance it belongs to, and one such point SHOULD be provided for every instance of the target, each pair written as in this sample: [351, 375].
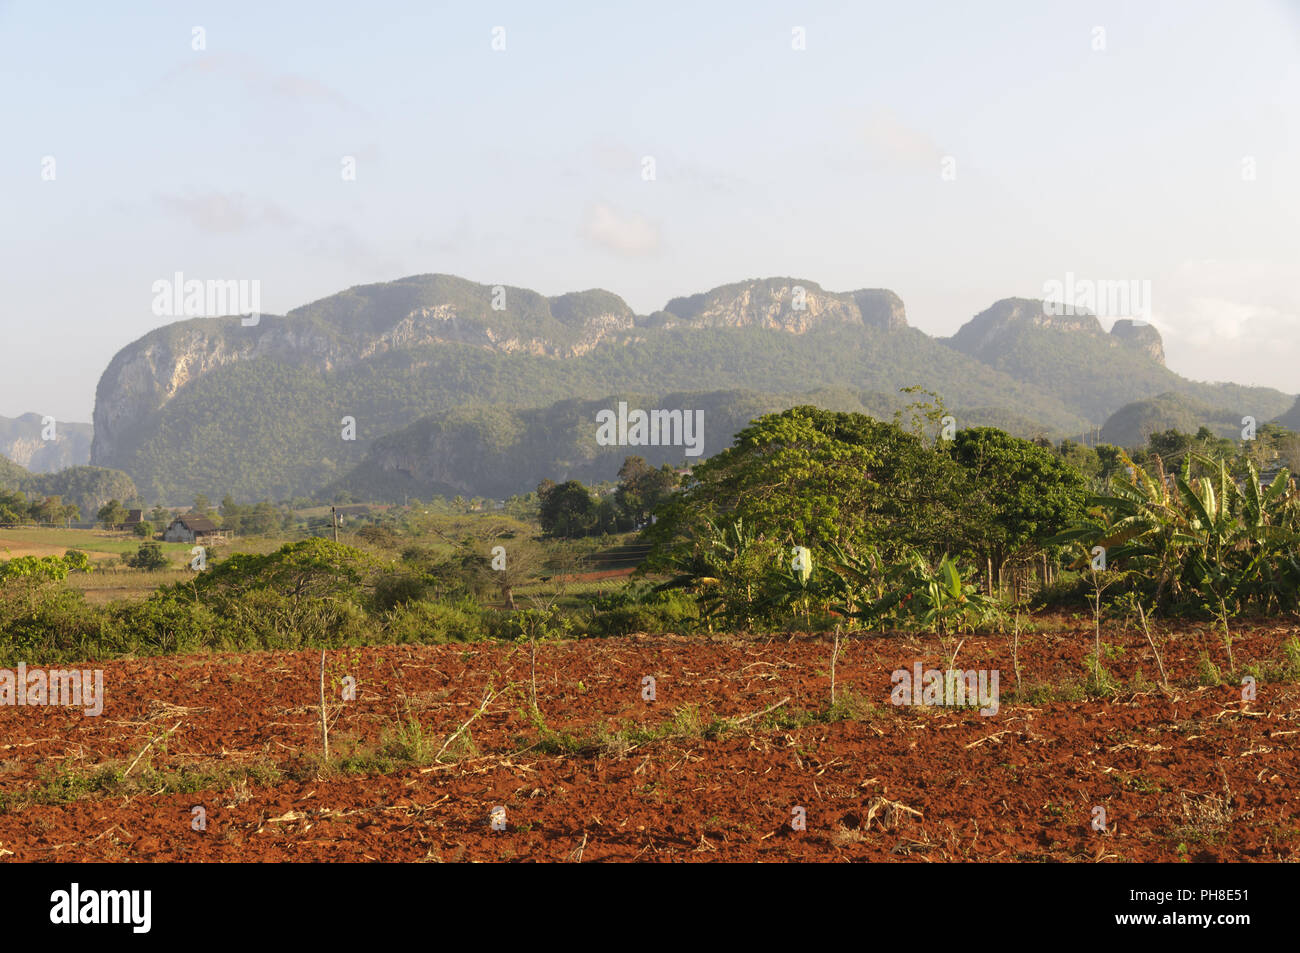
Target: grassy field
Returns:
[570, 573]
[55, 541]
[111, 580]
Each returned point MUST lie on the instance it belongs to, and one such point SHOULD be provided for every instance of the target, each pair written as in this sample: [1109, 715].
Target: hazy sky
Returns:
[524, 166]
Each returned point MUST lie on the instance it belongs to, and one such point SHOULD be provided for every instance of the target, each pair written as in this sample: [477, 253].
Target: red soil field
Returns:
[1194, 774]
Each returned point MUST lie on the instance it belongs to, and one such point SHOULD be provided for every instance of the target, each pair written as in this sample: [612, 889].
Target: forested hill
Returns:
[499, 452]
[211, 406]
[86, 488]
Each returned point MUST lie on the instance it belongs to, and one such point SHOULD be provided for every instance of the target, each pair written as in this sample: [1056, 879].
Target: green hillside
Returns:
[88, 488]
[209, 406]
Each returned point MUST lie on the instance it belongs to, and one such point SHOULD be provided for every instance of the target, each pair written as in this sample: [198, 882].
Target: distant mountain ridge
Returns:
[209, 405]
[22, 440]
[1092, 371]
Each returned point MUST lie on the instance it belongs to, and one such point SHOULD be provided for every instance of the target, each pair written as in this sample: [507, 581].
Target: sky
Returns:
[955, 153]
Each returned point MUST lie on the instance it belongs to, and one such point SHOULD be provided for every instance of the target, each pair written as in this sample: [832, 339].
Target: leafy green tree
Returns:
[52, 509]
[1017, 494]
[144, 528]
[567, 510]
[14, 507]
[263, 519]
[111, 514]
[148, 557]
[232, 514]
[76, 561]
[816, 478]
[641, 488]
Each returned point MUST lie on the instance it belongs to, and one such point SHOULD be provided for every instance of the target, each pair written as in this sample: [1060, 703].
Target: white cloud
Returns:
[1232, 320]
[622, 232]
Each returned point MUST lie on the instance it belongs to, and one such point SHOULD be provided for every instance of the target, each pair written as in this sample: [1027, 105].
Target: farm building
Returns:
[194, 529]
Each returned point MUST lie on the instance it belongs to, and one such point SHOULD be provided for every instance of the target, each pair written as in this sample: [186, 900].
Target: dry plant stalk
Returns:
[488, 697]
[1142, 615]
[324, 724]
[835, 654]
[1015, 648]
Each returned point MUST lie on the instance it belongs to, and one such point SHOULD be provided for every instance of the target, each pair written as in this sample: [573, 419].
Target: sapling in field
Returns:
[539, 624]
[1133, 602]
[1101, 577]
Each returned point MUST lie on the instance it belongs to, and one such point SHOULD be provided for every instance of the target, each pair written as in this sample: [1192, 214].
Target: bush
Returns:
[159, 625]
[47, 624]
[637, 610]
[144, 529]
[382, 536]
[76, 561]
[148, 557]
[397, 588]
[267, 619]
[434, 622]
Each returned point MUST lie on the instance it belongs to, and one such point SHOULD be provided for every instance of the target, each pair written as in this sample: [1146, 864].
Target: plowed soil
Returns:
[740, 734]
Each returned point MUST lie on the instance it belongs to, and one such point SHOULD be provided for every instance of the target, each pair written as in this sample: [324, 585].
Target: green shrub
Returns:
[635, 610]
[434, 622]
[159, 625]
[148, 557]
[396, 588]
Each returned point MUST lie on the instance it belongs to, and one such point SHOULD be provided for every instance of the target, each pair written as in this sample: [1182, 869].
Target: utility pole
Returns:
[335, 520]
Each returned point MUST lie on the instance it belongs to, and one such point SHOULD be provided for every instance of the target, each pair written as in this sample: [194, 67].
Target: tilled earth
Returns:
[740, 733]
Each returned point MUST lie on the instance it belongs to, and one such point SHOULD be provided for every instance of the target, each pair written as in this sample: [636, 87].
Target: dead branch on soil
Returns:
[575, 855]
[890, 812]
[980, 741]
[150, 745]
[488, 697]
[758, 714]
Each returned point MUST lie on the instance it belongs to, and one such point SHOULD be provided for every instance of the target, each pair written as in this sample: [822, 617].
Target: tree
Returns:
[111, 514]
[148, 557]
[232, 514]
[262, 520]
[144, 528]
[567, 510]
[641, 488]
[52, 509]
[1017, 494]
[14, 507]
[817, 478]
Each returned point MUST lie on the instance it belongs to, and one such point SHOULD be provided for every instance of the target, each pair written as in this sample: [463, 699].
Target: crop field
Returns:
[738, 754]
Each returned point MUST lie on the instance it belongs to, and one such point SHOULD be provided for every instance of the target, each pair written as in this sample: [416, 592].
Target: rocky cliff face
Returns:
[430, 310]
[354, 326]
[787, 304]
[987, 334]
[1142, 338]
[22, 440]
